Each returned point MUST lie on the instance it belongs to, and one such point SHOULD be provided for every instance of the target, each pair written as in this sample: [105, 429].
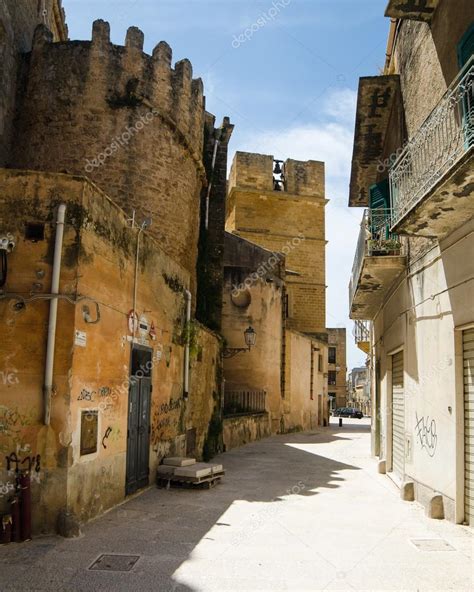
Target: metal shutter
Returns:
[398, 416]
[468, 363]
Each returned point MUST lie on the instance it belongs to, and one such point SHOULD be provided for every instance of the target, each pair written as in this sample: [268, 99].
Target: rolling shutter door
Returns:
[398, 416]
[468, 371]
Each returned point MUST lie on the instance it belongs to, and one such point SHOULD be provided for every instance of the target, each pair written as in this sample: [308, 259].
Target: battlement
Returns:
[129, 121]
[256, 172]
[123, 76]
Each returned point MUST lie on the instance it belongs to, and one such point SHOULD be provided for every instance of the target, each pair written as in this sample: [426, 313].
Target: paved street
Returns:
[296, 512]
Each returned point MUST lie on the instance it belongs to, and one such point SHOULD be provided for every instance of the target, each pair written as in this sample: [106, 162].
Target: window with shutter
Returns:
[379, 195]
[466, 46]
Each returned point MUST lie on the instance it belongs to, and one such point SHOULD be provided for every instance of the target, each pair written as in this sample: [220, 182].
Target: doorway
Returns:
[138, 427]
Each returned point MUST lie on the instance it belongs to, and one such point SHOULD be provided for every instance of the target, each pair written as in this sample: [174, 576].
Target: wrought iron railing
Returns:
[442, 140]
[361, 331]
[244, 402]
[375, 239]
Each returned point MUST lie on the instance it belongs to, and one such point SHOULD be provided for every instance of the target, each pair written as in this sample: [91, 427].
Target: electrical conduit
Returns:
[188, 297]
[53, 314]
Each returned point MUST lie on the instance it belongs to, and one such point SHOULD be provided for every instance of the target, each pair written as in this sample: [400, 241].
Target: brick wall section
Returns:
[18, 19]
[85, 101]
[294, 219]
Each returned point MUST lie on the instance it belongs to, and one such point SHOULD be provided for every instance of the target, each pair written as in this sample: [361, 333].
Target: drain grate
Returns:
[432, 545]
[115, 562]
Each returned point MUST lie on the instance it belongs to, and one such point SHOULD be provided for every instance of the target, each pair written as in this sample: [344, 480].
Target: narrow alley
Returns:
[304, 511]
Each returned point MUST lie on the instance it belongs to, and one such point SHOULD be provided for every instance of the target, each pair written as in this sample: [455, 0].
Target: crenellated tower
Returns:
[281, 207]
[129, 121]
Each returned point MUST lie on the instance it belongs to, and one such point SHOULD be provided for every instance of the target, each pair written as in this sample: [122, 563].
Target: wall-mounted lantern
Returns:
[250, 337]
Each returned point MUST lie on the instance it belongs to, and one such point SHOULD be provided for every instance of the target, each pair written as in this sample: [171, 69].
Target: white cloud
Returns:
[341, 105]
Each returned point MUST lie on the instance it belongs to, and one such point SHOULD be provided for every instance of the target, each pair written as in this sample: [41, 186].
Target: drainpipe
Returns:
[53, 314]
[145, 224]
[188, 297]
[213, 166]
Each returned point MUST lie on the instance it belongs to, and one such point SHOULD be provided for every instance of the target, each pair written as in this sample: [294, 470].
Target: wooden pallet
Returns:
[207, 482]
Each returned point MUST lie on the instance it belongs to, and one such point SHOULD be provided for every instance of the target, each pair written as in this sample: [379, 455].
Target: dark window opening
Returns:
[332, 377]
[332, 355]
[34, 232]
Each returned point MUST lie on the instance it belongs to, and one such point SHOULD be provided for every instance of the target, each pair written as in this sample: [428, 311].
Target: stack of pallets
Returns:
[179, 471]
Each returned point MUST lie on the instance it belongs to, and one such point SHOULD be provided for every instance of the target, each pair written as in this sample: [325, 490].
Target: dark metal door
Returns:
[138, 429]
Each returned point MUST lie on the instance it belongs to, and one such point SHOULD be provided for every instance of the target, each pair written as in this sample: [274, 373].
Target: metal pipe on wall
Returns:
[53, 313]
[188, 297]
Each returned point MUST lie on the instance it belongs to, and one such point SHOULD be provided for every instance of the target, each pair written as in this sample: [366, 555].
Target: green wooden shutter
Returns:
[466, 46]
[379, 195]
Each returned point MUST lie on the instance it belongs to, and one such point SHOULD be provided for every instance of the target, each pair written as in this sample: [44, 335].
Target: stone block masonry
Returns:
[123, 118]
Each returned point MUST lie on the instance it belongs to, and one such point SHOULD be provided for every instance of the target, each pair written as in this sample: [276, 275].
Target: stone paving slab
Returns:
[302, 512]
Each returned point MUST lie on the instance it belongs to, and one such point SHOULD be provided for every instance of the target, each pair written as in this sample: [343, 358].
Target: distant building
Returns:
[337, 367]
[275, 281]
[358, 388]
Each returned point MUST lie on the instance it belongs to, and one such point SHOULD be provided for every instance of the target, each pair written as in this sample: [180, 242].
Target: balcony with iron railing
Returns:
[244, 402]
[362, 335]
[431, 181]
[379, 260]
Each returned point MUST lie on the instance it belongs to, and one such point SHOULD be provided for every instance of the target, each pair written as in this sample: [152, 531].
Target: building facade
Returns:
[103, 244]
[281, 207]
[358, 389]
[337, 367]
[413, 271]
[275, 278]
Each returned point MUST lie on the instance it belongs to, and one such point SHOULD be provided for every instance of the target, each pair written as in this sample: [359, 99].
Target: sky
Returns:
[286, 73]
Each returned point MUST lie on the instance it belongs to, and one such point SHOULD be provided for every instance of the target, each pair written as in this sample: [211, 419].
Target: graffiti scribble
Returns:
[426, 434]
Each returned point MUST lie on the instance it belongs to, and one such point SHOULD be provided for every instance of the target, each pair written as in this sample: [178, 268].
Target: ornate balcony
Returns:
[362, 335]
[431, 183]
[379, 260]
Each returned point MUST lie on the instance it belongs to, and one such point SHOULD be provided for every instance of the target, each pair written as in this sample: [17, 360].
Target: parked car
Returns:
[348, 412]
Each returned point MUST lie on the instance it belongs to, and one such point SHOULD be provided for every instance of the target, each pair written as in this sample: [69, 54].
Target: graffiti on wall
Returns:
[165, 418]
[108, 431]
[8, 378]
[426, 434]
[13, 424]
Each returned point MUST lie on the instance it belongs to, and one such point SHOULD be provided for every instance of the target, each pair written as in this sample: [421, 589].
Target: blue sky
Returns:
[290, 88]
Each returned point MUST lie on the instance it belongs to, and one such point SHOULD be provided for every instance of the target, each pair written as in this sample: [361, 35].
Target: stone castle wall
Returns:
[18, 19]
[123, 118]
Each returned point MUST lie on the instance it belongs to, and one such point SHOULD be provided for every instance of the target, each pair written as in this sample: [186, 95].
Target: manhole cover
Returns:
[115, 562]
[432, 545]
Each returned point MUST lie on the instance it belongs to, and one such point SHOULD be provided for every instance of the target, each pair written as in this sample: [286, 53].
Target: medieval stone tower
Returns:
[124, 119]
[285, 212]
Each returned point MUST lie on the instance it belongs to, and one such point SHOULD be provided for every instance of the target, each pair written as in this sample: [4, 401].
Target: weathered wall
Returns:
[256, 299]
[306, 397]
[292, 222]
[18, 19]
[212, 223]
[238, 431]
[24, 329]
[425, 57]
[421, 316]
[337, 339]
[123, 118]
[98, 268]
